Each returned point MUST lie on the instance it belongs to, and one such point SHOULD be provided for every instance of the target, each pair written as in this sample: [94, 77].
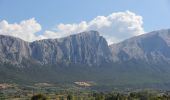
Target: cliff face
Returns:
[87, 48]
[13, 50]
[83, 48]
[142, 60]
[152, 47]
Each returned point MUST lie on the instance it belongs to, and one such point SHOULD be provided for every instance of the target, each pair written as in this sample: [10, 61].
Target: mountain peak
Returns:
[83, 48]
[153, 47]
[90, 33]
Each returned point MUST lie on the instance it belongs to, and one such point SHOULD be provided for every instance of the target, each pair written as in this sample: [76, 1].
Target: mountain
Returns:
[141, 61]
[153, 48]
[13, 50]
[84, 48]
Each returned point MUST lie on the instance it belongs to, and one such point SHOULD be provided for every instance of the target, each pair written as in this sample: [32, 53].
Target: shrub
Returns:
[39, 97]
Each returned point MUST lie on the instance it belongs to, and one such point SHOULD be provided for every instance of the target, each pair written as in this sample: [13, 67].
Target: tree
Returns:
[99, 96]
[70, 97]
[110, 96]
[2, 96]
[39, 97]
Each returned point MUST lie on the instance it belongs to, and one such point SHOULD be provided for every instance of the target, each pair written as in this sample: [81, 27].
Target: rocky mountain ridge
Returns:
[87, 48]
[141, 61]
[84, 48]
[153, 47]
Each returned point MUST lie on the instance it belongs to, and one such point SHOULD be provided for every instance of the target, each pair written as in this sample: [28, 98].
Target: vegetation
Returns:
[50, 94]
[39, 97]
[137, 75]
[70, 97]
[46, 91]
[115, 96]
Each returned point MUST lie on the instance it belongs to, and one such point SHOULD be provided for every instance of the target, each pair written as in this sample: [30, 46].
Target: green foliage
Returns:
[99, 96]
[39, 97]
[131, 96]
[106, 76]
[2, 96]
[111, 97]
[70, 97]
[25, 94]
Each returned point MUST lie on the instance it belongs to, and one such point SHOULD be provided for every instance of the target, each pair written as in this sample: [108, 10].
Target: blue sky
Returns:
[49, 13]
[156, 13]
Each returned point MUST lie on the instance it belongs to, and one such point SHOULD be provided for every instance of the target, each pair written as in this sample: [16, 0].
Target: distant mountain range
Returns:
[139, 61]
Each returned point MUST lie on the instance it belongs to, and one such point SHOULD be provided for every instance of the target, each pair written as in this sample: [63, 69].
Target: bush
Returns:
[39, 97]
[70, 97]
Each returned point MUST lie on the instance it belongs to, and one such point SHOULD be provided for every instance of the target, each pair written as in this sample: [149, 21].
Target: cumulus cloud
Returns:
[114, 27]
[25, 29]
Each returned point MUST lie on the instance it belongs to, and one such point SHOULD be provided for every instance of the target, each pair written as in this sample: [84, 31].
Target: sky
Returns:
[116, 20]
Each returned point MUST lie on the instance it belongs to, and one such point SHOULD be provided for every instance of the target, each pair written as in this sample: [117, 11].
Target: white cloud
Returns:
[25, 29]
[114, 27]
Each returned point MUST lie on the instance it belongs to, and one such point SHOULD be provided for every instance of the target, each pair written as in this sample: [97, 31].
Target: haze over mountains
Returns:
[144, 58]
